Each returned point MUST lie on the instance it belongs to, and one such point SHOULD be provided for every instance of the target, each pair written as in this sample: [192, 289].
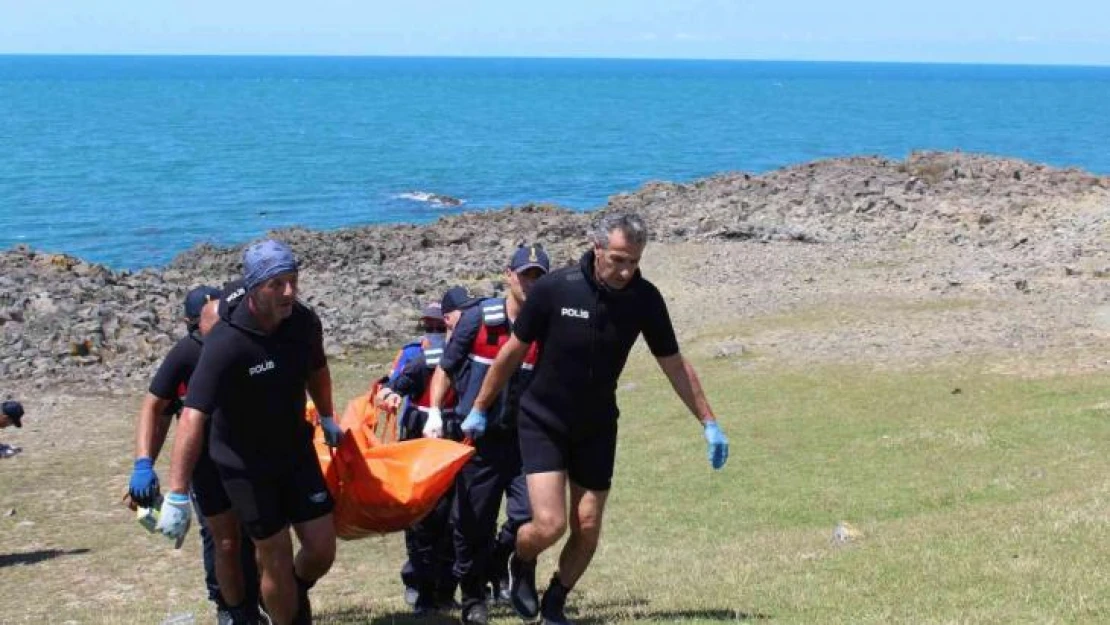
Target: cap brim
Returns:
[528, 266]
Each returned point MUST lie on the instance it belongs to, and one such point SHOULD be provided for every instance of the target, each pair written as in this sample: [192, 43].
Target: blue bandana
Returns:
[266, 259]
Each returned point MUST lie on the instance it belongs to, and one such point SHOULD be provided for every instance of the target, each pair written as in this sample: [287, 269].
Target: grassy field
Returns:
[972, 497]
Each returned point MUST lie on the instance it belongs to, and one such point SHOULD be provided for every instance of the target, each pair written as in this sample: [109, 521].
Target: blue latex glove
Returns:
[718, 445]
[175, 517]
[474, 426]
[332, 432]
[13, 409]
[143, 488]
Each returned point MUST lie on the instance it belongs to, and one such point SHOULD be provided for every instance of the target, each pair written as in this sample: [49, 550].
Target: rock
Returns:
[728, 349]
[65, 318]
[845, 533]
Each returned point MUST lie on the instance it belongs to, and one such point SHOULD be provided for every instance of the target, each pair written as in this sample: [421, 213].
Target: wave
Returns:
[435, 199]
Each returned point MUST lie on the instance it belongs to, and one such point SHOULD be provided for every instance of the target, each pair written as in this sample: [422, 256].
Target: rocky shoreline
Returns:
[65, 320]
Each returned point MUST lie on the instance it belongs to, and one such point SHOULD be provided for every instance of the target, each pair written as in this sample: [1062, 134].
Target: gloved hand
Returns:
[332, 432]
[433, 425]
[174, 517]
[143, 488]
[386, 398]
[718, 445]
[474, 425]
[13, 409]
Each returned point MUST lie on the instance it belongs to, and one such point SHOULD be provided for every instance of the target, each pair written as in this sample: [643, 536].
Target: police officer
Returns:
[252, 376]
[587, 317]
[163, 401]
[495, 468]
[431, 552]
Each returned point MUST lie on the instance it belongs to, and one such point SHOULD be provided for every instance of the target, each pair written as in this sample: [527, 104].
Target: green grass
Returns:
[990, 505]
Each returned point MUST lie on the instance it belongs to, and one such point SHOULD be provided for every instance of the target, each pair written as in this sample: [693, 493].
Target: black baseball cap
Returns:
[14, 411]
[457, 298]
[197, 298]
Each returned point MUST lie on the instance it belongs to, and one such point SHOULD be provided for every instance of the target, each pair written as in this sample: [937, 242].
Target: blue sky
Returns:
[1014, 31]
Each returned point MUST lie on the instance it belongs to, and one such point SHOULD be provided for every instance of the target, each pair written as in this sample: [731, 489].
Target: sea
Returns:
[129, 160]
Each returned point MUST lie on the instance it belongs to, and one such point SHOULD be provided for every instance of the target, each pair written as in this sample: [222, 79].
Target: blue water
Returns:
[129, 160]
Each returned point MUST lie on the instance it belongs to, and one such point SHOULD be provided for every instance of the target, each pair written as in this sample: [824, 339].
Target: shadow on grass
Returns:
[34, 557]
[670, 616]
[616, 612]
[358, 616]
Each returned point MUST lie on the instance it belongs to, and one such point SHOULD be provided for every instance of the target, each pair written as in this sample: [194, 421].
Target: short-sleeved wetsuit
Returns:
[568, 414]
[252, 384]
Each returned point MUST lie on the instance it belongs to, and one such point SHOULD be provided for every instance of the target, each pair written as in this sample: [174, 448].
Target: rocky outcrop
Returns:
[62, 318]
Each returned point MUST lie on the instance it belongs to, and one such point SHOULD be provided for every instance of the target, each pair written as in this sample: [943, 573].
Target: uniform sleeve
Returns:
[412, 379]
[462, 341]
[317, 359]
[173, 372]
[532, 322]
[215, 366]
[658, 331]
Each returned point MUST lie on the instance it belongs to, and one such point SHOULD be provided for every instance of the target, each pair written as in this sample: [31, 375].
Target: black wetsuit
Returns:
[252, 384]
[568, 414]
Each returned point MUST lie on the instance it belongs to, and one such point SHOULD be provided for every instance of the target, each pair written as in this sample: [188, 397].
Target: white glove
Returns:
[332, 432]
[174, 518]
[433, 425]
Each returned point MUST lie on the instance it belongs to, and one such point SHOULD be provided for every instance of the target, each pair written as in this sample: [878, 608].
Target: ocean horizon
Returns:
[129, 160]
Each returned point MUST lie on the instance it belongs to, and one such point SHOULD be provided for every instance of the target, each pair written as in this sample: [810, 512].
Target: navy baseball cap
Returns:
[528, 257]
[432, 311]
[456, 298]
[14, 411]
[197, 298]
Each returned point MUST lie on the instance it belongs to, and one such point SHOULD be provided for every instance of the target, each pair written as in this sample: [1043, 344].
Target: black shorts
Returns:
[267, 502]
[586, 452]
[207, 487]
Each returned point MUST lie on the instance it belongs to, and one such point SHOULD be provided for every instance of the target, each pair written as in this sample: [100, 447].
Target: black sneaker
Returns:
[304, 608]
[425, 604]
[499, 573]
[238, 616]
[475, 613]
[446, 601]
[522, 588]
[554, 603]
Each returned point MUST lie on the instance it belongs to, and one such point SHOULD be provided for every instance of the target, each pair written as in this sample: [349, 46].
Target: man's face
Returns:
[5, 421]
[617, 265]
[520, 283]
[274, 298]
[433, 326]
[209, 315]
[451, 319]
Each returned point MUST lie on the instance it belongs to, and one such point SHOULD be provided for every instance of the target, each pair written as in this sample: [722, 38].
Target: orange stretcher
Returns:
[381, 485]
